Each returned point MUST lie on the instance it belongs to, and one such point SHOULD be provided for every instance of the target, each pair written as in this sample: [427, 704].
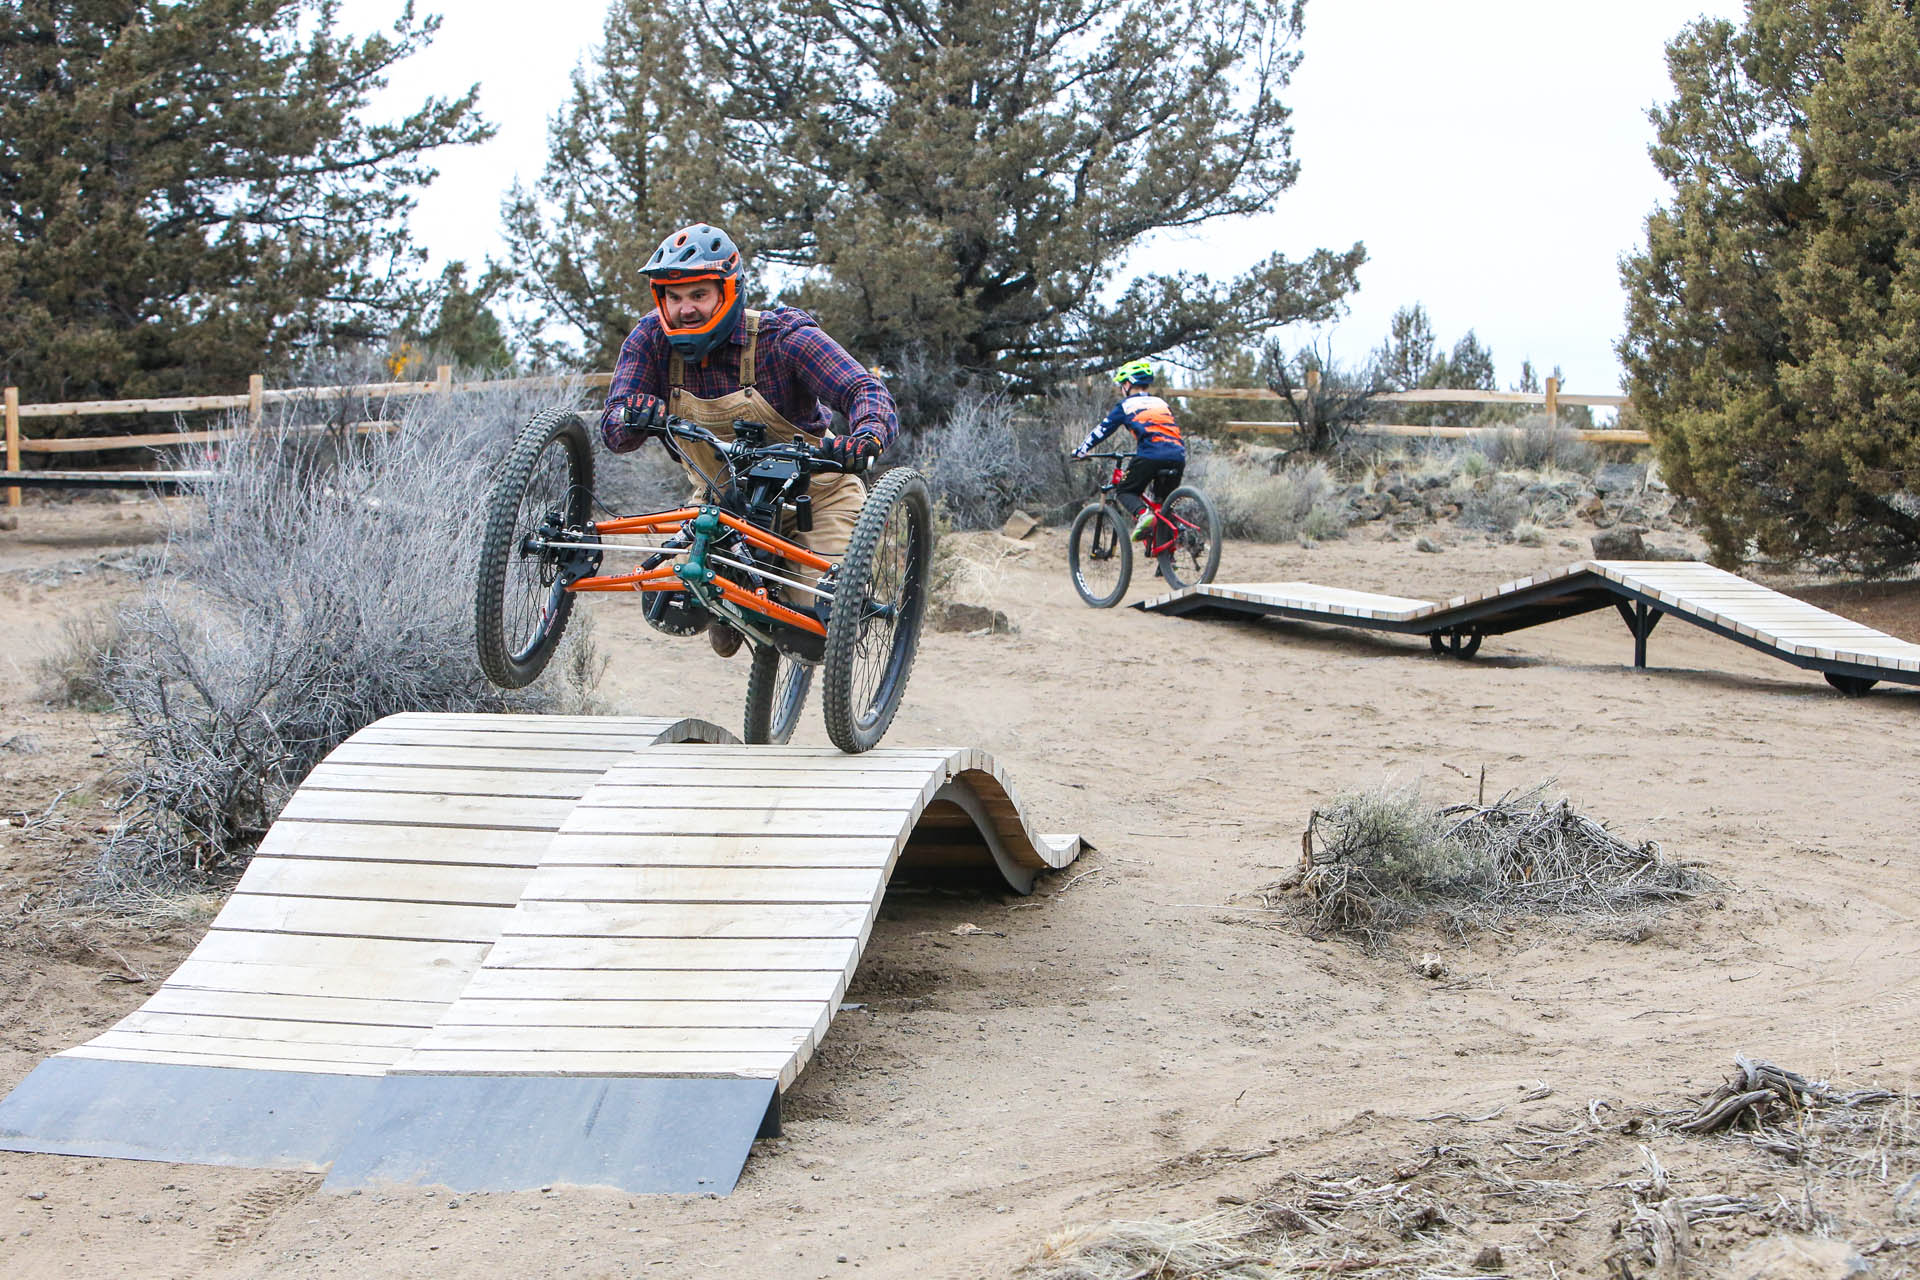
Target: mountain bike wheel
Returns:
[879, 601]
[1100, 555]
[1196, 555]
[777, 688]
[520, 603]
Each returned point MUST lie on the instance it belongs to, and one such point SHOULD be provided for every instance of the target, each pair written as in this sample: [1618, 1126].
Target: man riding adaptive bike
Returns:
[1160, 457]
[702, 355]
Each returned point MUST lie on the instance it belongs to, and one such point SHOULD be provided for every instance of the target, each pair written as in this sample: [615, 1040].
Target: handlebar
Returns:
[738, 451]
[1089, 457]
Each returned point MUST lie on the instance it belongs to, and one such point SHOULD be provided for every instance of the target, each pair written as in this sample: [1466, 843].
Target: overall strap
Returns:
[676, 371]
[752, 321]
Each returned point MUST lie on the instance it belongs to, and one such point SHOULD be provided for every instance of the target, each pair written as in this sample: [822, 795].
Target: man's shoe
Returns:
[724, 639]
[1140, 526]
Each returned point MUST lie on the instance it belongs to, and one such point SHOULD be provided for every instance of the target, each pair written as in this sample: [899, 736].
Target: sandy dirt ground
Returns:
[1140, 1039]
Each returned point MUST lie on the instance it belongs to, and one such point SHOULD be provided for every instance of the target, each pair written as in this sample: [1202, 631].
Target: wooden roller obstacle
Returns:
[1851, 656]
[498, 952]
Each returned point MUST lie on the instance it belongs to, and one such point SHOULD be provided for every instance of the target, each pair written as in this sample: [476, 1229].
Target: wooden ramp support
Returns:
[503, 952]
[1852, 657]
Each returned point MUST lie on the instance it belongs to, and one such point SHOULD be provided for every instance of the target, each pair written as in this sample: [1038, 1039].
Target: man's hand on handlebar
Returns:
[854, 453]
[646, 414]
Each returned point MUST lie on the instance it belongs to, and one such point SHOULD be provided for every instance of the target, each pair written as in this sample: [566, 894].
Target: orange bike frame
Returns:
[663, 577]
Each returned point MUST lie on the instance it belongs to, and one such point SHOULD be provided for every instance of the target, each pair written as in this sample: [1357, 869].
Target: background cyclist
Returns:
[1160, 457]
[702, 354]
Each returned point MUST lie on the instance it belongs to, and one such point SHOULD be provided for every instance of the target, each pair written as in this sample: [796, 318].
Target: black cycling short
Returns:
[1161, 476]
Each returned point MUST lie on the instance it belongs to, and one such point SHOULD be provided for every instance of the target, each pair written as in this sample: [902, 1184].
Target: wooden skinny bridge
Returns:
[1851, 656]
[500, 952]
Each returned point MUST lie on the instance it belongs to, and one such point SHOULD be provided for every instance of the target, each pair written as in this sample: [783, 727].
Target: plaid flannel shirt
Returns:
[798, 368]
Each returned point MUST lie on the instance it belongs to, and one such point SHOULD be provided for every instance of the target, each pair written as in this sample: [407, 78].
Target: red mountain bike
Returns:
[1184, 539]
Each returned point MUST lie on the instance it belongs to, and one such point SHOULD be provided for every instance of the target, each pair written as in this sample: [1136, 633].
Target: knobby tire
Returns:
[879, 602]
[514, 650]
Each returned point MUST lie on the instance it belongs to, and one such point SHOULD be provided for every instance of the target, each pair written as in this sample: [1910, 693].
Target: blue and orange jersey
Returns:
[1151, 420]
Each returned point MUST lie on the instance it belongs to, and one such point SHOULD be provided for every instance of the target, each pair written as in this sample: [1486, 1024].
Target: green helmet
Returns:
[1134, 371]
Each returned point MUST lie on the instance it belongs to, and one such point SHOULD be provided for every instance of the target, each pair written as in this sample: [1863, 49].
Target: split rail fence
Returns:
[258, 397]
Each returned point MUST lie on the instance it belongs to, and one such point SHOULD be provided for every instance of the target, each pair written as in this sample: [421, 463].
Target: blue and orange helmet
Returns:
[688, 256]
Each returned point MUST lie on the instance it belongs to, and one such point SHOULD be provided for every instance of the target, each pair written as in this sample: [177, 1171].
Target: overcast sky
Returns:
[1491, 154]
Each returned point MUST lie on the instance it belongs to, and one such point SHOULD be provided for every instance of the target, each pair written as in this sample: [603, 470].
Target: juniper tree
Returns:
[191, 189]
[969, 177]
[1773, 321]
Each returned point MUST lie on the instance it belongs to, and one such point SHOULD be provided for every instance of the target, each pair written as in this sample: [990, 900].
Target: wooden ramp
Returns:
[1852, 657]
[503, 951]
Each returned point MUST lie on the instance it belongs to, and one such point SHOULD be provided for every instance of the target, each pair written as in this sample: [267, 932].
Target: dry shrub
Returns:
[1496, 507]
[985, 459]
[1535, 443]
[1228, 1244]
[73, 673]
[1374, 860]
[328, 582]
[1301, 501]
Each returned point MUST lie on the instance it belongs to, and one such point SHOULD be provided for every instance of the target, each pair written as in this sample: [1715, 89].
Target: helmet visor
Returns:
[726, 290]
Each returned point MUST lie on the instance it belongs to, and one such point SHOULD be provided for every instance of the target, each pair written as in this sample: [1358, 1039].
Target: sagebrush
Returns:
[325, 581]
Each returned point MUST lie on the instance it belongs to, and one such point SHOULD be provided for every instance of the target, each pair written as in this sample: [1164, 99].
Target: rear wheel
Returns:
[1099, 555]
[521, 603]
[777, 689]
[1455, 644]
[1195, 554]
[879, 601]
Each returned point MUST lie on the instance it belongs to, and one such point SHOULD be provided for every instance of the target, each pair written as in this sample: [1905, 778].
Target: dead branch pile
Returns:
[1373, 860]
[1810, 1121]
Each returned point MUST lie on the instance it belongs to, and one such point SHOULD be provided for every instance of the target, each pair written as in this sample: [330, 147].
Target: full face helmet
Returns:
[688, 256]
[1134, 373]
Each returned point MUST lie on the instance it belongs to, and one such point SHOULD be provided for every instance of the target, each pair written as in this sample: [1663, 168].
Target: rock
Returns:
[1620, 477]
[1425, 543]
[1623, 543]
[1654, 552]
[1019, 525]
[9, 523]
[22, 744]
[1797, 1258]
[1490, 1258]
[1439, 480]
[1431, 966]
[1009, 547]
[954, 616]
[1371, 506]
[1592, 509]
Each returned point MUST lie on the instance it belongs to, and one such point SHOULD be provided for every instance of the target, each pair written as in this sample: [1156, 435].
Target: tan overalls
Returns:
[836, 498]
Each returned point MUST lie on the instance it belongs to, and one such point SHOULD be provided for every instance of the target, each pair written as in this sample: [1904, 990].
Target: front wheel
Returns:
[1194, 555]
[521, 603]
[879, 601]
[1100, 555]
[777, 688]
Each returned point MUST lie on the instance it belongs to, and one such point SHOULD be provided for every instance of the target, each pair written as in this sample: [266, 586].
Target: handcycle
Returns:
[724, 560]
[1184, 539]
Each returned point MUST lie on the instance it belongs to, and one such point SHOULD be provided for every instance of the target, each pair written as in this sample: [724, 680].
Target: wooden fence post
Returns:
[1553, 402]
[256, 400]
[443, 379]
[1313, 380]
[13, 442]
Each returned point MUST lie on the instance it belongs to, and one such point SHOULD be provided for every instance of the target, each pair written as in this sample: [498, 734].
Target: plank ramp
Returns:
[1852, 655]
[623, 926]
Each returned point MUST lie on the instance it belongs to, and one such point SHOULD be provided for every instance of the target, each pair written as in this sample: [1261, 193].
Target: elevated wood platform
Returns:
[1851, 656]
[460, 919]
[163, 481]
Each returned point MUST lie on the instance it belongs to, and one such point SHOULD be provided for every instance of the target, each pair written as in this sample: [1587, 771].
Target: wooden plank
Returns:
[519, 739]
[797, 1015]
[367, 919]
[608, 920]
[557, 784]
[357, 1054]
[209, 1025]
[446, 847]
[615, 957]
[774, 1041]
[768, 798]
[416, 1014]
[739, 822]
[645, 773]
[595, 761]
[699, 884]
[572, 726]
[383, 881]
[584, 849]
[352, 954]
[248, 1061]
[508, 813]
[12, 401]
[435, 985]
[726, 1065]
[589, 985]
